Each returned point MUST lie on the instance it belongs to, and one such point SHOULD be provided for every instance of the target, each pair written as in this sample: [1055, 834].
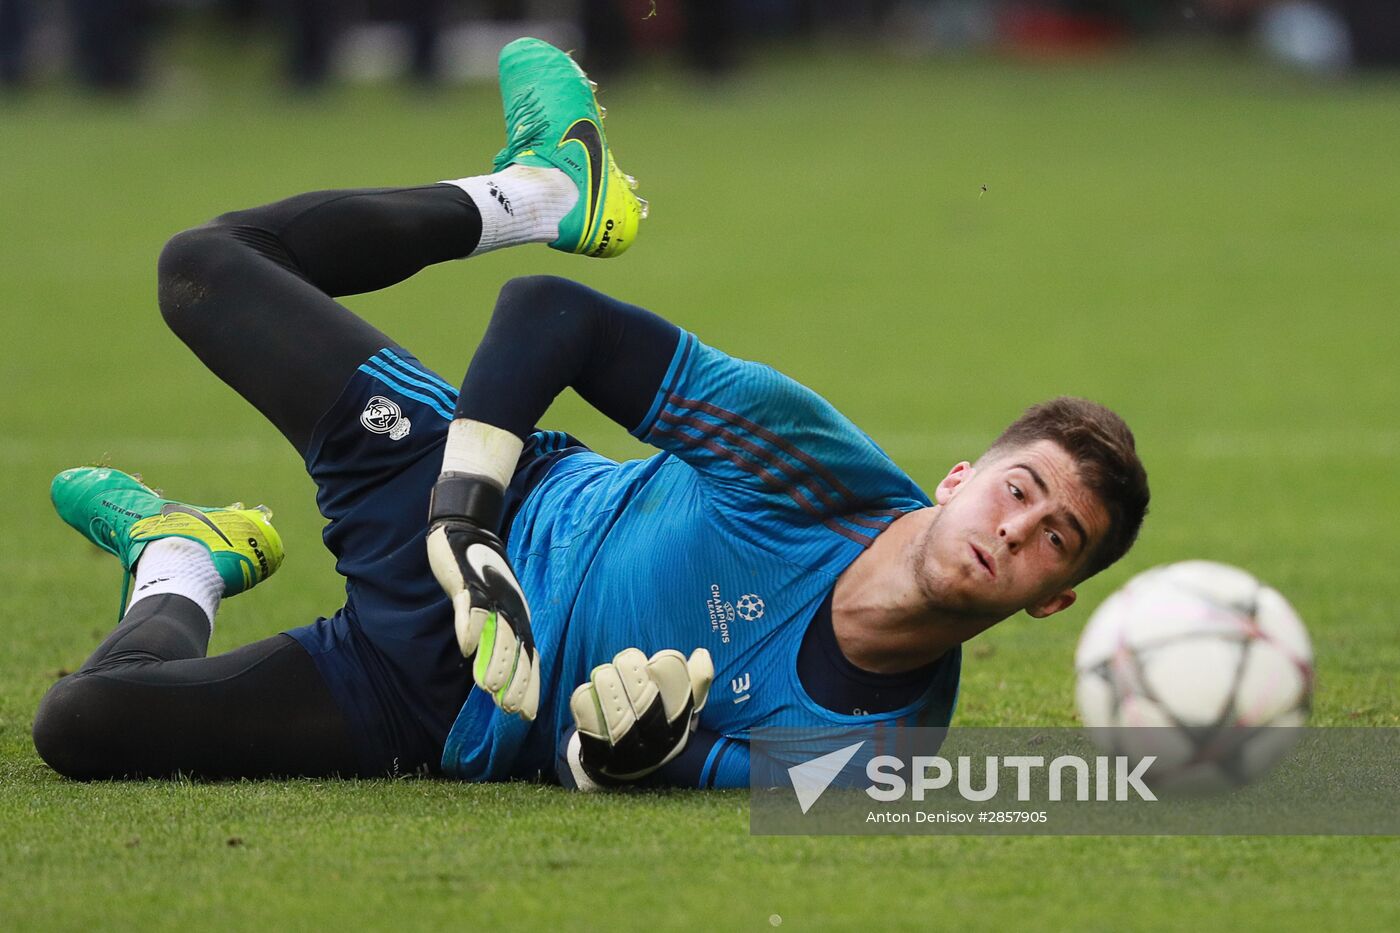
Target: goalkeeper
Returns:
[518, 606]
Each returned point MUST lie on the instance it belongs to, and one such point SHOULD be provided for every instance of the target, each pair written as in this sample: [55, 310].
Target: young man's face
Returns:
[1011, 533]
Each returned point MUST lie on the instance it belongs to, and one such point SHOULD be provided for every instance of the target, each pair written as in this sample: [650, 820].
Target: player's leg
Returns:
[148, 702]
[252, 293]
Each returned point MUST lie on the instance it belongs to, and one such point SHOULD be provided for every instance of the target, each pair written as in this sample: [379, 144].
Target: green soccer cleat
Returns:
[118, 514]
[553, 121]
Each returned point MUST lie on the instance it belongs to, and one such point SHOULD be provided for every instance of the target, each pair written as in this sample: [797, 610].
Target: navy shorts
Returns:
[390, 655]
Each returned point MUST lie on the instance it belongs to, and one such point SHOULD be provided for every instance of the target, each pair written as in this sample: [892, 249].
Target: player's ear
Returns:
[1048, 607]
[959, 474]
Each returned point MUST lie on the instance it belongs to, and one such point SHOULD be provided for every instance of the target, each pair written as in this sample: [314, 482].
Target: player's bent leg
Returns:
[148, 704]
[252, 293]
[276, 339]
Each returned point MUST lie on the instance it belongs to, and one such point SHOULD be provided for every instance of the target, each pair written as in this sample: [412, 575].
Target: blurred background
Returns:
[119, 46]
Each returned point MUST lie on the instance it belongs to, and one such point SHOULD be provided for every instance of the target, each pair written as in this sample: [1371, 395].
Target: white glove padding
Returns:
[636, 714]
[489, 611]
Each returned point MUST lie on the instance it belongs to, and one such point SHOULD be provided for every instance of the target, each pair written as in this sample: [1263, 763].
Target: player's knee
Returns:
[193, 266]
[538, 294]
[185, 268]
[71, 727]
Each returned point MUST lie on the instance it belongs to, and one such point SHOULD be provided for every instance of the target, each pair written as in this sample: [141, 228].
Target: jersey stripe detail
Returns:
[707, 772]
[763, 433]
[864, 520]
[798, 476]
[794, 482]
[834, 523]
[859, 519]
[843, 531]
[678, 362]
[721, 752]
[397, 387]
[428, 374]
[407, 374]
[794, 478]
[768, 478]
[748, 466]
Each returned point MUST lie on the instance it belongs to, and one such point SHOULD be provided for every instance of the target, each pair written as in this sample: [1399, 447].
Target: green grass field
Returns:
[1206, 245]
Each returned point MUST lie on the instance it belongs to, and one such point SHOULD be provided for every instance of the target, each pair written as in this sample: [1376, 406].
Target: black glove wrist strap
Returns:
[464, 496]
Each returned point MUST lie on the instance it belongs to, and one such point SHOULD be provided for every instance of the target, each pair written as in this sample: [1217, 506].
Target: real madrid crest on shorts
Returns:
[383, 416]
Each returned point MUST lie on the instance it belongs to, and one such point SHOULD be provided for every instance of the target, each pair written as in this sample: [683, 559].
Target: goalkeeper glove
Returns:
[488, 606]
[635, 714]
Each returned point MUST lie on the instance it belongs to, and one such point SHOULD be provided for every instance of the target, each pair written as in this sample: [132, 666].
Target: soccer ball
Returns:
[1208, 659]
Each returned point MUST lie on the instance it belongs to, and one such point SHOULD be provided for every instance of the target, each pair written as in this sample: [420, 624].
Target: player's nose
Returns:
[1014, 530]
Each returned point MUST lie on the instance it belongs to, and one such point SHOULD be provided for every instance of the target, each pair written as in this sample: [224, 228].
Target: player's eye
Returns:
[1016, 492]
[1056, 541]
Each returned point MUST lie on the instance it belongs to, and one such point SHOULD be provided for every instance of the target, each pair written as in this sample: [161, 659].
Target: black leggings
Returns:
[148, 703]
[252, 295]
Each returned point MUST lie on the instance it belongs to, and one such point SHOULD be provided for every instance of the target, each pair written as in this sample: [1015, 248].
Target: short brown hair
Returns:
[1103, 449]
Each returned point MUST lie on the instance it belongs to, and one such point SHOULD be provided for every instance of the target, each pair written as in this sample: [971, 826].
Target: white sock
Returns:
[182, 567]
[521, 204]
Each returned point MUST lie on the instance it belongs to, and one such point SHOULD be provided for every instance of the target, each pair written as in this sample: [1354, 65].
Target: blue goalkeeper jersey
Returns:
[728, 539]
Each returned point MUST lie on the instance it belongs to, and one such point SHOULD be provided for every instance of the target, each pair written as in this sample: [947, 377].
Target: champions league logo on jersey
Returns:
[749, 608]
[383, 416]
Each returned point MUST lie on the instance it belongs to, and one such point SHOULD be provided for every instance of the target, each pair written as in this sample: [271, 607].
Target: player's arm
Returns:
[546, 334]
